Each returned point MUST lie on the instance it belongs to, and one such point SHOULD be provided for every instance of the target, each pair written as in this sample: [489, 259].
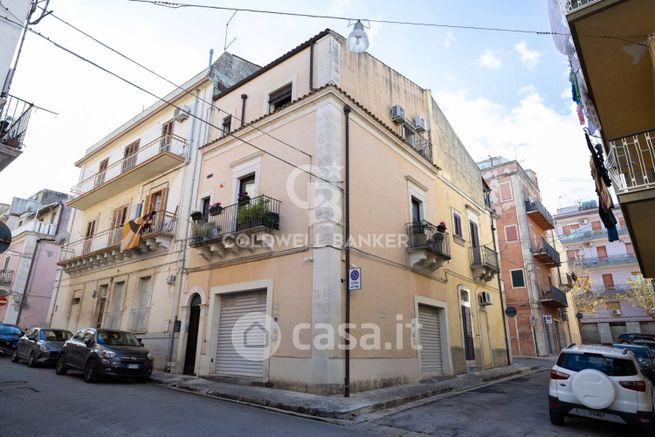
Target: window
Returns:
[571, 254]
[408, 133]
[6, 267]
[156, 201]
[601, 251]
[566, 230]
[102, 172]
[615, 305]
[113, 316]
[88, 236]
[595, 225]
[457, 225]
[166, 136]
[518, 280]
[608, 281]
[102, 304]
[129, 156]
[227, 125]
[511, 233]
[621, 221]
[467, 324]
[140, 310]
[279, 98]
[607, 365]
[118, 218]
[416, 210]
[247, 184]
[475, 236]
[630, 250]
[505, 191]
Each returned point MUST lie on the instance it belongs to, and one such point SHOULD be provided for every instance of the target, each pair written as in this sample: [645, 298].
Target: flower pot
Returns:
[215, 211]
[196, 215]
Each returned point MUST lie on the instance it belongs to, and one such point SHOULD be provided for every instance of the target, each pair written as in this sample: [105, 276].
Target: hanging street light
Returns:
[358, 40]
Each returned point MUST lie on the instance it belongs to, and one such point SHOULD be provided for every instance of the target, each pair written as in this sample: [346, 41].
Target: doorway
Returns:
[192, 335]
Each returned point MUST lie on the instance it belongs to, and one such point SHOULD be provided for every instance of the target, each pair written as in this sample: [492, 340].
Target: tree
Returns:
[641, 294]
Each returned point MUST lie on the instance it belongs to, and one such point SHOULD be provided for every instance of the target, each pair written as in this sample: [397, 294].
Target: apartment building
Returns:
[535, 284]
[622, 97]
[28, 267]
[322, 129]
[122, 266]
[607, 266]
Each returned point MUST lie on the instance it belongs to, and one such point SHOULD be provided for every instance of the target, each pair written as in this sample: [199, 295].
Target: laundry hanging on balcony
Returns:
[132, 231]
[602, 182]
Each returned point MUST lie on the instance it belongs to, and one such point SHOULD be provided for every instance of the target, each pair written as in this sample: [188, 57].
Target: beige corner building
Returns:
[264, 291]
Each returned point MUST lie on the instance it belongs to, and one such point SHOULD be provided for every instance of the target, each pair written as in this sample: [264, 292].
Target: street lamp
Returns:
[358, 40]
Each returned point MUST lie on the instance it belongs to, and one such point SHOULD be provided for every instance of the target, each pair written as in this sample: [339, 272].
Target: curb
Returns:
[335, 414]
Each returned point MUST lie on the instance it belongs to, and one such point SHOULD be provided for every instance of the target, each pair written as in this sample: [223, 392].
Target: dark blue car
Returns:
[9, 336]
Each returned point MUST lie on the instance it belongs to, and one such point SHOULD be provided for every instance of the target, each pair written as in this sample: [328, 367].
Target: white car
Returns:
[602, 383]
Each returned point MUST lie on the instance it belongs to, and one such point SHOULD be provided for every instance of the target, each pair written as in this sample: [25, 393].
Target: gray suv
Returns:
[105, 352]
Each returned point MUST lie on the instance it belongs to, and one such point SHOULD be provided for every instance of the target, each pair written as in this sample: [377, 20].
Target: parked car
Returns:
[648, 343]
[105, 352]
[629, 338]
[40, 345]
[645, 356]
[9, 336]
[602, 383]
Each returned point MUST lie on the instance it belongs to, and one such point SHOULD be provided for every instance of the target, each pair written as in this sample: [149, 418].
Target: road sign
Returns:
[3, 301]
[5, 237]
[510, 311]
[548, 319]
[355, 279]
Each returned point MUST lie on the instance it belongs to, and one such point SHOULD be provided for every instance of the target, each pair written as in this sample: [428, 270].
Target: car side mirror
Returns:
[140, 342]
[89, 342]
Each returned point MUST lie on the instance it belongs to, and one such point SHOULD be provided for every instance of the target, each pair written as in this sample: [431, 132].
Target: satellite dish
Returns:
[62, 238]
[5, 237]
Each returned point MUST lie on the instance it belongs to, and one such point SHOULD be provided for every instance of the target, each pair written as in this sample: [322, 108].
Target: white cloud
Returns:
[529, 58]
[489, 59]
[551, 143]
[448, 41]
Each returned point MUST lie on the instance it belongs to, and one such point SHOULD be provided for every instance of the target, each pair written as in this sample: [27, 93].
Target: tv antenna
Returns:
[225, 43]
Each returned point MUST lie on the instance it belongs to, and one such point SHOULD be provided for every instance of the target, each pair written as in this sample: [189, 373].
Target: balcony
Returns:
[546, 253]
[6, 277]
[538, 212]
[484, 263]
[37, 227]
[555, 297]
[14, 118]
[155, 158]
[589, 235]
[576, 5]
[607, 260]
[428, 248]
[104, 248]
[239, 228]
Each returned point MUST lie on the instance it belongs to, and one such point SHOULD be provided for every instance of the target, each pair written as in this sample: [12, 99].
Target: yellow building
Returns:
[265, 295]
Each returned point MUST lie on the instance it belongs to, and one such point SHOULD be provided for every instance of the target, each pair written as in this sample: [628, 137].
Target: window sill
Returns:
[459, 240]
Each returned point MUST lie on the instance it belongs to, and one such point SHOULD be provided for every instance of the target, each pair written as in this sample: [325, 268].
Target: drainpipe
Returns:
[311, 67]
[244, 97]
[500, 291]
[346, 211]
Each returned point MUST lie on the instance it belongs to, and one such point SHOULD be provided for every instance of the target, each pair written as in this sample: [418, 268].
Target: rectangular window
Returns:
[227, 125]
[247, 184]
[630, 250]
[102, 172]
[608, 281]
[166, 136]
[621, 221]
[475, 236]
[118, 218]
[416, 210]
[505, 192]
[113, 316]
[595, 225]
[511, 233]
[409, 134]
[518, 280]
[156, 201]
[129, 156]
[279, 98]
[571, 254]
[601, 251]
[457, 225]
[140, 310]
[205, 206]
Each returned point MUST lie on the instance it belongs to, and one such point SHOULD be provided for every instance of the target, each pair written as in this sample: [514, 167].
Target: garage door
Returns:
[247, 358]
[430, 337]
[589, 333]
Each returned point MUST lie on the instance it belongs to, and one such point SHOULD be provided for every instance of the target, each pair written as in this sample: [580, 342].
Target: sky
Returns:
[504, 93]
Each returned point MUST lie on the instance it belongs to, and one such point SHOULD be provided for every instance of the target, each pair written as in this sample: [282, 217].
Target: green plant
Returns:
[252, 211]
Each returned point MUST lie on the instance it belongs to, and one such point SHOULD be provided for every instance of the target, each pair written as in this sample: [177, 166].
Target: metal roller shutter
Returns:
[430, 337]
[228, 361]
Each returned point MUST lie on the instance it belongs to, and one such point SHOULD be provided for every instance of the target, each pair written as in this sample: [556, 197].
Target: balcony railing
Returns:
[38, 227]
[546, 253]
[607, 260]
[257, 213]
[163, 144]
[589, 234]
[537, 210]
[575, 5]
[423, 146]
[631, 162]
[426, 235]
[555, 296]
[14, 118]
[6, 276]
[483, 256]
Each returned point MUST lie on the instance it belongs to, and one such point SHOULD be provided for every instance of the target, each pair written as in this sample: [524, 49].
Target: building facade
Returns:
[607, 267]
[323, 130]
[535, 282]
[28, 267]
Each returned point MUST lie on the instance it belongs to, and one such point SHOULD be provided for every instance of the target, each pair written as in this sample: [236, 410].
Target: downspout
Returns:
[346, 212]
[244, 97]
[311, 67]
[500, 291]
[193, 155]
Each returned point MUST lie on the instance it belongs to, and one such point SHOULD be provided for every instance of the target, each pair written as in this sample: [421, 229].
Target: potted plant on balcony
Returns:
[244, 198]
[251, 214]
[419, 235]
[196, 215]
[215, 209]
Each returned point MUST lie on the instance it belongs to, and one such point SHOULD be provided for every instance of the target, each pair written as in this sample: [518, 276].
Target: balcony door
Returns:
[247, 184]
[166, 136]
[88, 236]
[417, 217]
[102, 172]
[117, 221]
[601, 251]
[129, 156]
[475, 242]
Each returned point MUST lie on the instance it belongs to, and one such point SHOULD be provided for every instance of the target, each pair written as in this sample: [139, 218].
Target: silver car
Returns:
[40, 345]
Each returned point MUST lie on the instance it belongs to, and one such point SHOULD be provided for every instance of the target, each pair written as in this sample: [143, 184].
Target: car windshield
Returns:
[117, 338]
[52, 335]
[9, 330]
[608, 365]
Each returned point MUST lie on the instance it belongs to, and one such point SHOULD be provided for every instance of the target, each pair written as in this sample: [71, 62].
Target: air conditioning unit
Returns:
[485, 298]
[584, 221]
[171, 280]
[181, 113]
[397, 114]
[615, 312]
[588, 244]
[419, 124]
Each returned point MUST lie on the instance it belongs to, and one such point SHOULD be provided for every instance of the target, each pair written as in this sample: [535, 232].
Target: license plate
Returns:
[593, 414]
[132, 366]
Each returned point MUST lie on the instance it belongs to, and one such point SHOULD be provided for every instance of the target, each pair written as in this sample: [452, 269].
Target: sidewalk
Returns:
[335, 407]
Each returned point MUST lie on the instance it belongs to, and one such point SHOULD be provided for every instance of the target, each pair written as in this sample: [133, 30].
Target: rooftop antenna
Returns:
[225, 44]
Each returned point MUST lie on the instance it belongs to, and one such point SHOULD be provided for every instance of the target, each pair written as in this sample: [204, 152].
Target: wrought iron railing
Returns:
[575, 5]
[542, 246]
[423, 146]
[161, 223]
[483, 256]
[162, 144]
[555, 294]
[14, 118]
[537, 206]
[424, 234]
[260, 211]
[589, 234]
[37, 227]
[6, 276]
[607, 260]
[631, 162]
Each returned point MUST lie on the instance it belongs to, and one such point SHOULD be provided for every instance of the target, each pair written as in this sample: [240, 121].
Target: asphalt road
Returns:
[36, 402]
[518, 407]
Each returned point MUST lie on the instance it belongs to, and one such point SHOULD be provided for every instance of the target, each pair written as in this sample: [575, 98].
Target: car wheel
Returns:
[30, 360]
[91, 371]
[556, 418]
[143, 379]
[14, 357]
[60, 367]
